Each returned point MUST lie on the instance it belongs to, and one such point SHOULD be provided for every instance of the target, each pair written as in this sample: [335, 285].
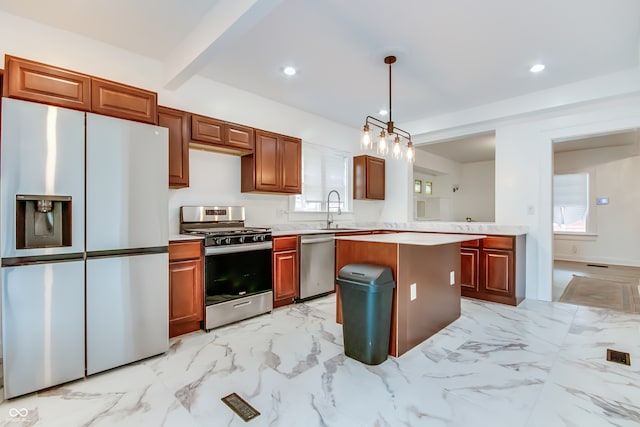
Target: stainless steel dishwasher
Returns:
[317, 265]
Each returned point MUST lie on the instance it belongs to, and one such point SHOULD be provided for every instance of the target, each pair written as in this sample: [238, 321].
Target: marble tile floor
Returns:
[538, 364]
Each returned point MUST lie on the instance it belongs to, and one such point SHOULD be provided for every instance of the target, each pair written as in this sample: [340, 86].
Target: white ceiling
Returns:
[452, 55]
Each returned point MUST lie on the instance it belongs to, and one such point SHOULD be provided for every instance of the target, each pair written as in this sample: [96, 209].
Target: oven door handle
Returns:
[247, 247]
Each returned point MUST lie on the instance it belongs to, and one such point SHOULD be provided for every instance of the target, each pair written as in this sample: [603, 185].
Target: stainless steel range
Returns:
[237, 264]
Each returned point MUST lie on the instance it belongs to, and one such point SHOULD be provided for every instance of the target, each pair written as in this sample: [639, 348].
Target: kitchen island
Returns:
[426, 270]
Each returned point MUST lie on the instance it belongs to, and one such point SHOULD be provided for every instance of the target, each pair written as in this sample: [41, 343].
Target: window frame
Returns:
[345, 196]
[590, 222]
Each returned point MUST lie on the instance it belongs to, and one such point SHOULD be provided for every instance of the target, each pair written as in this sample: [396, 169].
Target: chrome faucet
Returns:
[329, 214]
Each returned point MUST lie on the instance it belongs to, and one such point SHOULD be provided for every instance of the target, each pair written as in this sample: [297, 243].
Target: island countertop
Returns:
[415, 239]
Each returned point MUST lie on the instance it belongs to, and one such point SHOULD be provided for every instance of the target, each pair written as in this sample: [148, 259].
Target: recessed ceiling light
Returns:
[289, 71]
[383, 112]
[537, 68]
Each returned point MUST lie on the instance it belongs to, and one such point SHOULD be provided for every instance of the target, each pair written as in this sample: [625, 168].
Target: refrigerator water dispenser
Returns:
[43, 221]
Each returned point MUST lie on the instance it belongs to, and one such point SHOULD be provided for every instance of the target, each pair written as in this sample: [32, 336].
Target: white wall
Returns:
[616, 175]
[524, 170]
[475, 197]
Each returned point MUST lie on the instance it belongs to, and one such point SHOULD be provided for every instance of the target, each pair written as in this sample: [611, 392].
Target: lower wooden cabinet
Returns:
[286, 279]
[186, 291]
[493, 269]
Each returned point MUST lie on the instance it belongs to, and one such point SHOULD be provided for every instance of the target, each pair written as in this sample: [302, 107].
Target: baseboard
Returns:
[598, 260]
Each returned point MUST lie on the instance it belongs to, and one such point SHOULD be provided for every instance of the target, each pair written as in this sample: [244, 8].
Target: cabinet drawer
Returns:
[184, 250]
[471, 244]
[285, 243]
[496, 242]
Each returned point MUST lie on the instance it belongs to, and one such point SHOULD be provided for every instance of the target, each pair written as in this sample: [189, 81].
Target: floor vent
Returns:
[240, 407]
[618, 357]
[597, 265]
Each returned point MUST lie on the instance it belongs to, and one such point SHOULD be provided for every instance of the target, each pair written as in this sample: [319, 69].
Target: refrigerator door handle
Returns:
[128, 252]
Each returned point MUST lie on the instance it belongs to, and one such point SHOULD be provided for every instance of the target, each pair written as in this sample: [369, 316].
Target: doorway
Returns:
[594, 261]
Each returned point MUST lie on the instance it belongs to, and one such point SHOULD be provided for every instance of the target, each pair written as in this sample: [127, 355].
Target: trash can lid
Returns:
[370, 274]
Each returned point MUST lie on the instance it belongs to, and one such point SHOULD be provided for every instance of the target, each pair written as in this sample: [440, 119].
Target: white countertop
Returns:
[295, 232]
[415, 239]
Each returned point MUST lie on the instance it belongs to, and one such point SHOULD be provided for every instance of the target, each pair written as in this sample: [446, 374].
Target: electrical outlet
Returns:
[414, 291]
[452, 278]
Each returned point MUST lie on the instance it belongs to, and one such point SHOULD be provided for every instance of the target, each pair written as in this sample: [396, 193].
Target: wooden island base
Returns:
[425, 261]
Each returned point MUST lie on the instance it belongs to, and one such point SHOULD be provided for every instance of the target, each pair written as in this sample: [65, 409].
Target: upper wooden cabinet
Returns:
[127, 102]
[368, 178]
[38, 82]
[275, 165]
[34, 81]
[217, 135]
[207, 130]
[179, 125]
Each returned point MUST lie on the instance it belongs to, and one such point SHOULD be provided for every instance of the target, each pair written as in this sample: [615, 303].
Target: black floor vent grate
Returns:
[597, 265]
[618, 357]
[240, 407]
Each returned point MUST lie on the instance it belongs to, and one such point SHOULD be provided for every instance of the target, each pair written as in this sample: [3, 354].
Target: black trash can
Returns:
[366, 292]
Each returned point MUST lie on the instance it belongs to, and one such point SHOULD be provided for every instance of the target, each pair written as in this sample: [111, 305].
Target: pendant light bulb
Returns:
[383, 149]
[365, 141]
[397, 149]
[411, 155]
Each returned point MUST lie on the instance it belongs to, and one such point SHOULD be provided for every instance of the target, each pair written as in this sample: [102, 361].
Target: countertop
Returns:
[414, 239]
[424, 226]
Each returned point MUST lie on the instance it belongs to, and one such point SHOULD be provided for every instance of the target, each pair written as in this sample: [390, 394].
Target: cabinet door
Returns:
[126, 102]
[266, 162]
[469, 268]
[285, 282]
[239, 136]
[291, 155]
[498, 271]
[185, 291]
[38, 82]
[206, 129]
[375, 178]
[178, 124]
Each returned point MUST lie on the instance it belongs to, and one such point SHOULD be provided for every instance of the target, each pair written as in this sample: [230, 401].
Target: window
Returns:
[323, 170]
[571, 203]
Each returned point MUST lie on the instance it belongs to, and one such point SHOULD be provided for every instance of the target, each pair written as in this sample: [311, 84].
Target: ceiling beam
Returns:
[226, 20]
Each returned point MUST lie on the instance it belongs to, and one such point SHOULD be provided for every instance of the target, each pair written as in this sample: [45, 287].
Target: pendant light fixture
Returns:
[389, 133]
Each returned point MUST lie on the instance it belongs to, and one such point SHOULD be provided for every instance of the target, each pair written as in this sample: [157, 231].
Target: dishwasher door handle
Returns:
[320, 240]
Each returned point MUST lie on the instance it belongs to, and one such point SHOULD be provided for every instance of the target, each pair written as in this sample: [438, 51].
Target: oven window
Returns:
[236, 275]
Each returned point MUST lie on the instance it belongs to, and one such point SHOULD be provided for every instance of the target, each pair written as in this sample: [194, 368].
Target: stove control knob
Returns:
[227, 241]
[241, 239]
[261, 237]
[218, 241]
[256, 238]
